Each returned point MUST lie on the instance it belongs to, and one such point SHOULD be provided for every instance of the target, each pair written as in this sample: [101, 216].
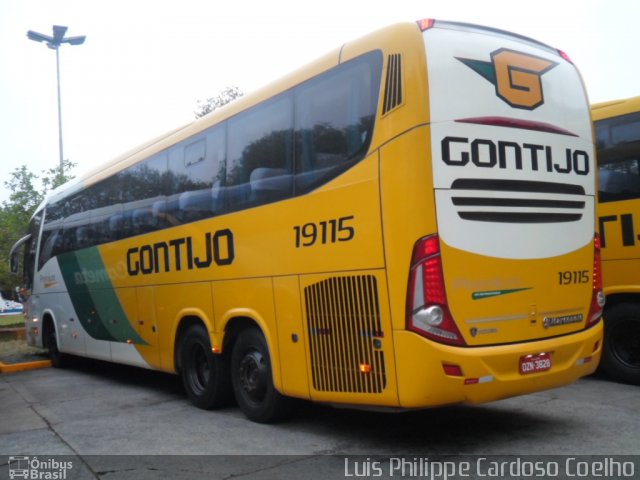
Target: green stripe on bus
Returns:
[495, 293]
[94, 299]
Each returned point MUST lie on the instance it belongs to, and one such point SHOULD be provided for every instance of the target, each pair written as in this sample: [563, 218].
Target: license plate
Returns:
[539, 362]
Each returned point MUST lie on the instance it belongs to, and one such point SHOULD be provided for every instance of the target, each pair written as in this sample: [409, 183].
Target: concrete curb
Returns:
[21, 367]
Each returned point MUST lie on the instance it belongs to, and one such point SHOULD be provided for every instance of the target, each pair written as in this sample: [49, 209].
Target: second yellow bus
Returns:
[617, 125]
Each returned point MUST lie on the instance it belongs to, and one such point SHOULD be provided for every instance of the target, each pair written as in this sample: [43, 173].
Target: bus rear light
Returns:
[475, 381]
[565, 56]
[427, 308]
[597, 297]
[365, 368]
[452, 370]
[583, 361]
[425, 24]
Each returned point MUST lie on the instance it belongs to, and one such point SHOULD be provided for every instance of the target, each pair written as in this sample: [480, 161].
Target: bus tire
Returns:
[205, 376]
[252, 379]
[58, 359]
[621, 352]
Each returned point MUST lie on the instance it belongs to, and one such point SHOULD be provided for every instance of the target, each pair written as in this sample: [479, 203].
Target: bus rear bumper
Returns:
[483, 374]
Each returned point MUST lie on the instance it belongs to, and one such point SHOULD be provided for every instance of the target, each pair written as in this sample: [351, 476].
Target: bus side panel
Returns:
[408, 209]
[349, 337]
[71, 336]
[146, 326]
[174, 303]
[122, 347]
[253, 299]
[621, 276]
[50, 297]
[619, 228]
[292, 337]
[139, 304]
[619, 223]
[620, 247]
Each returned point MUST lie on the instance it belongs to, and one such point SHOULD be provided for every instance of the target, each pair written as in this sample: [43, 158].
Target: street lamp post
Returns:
[54, 43]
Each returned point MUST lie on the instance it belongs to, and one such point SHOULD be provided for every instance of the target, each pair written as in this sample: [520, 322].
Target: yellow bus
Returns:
[617, 125]
[407, 222]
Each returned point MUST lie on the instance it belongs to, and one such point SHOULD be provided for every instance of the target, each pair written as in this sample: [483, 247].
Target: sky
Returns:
[145, 64]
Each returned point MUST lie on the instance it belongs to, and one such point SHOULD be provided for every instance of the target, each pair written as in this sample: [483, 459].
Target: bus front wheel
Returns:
[58, 359]
[205, 376]
[621, 353]
[252, 379]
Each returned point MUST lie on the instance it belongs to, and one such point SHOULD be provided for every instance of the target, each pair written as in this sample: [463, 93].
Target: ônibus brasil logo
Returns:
[515, 75]
[32, 468]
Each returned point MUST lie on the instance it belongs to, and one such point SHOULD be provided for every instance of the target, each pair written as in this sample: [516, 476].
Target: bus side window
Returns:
[51, 241]
[68, 239]
[618, 143]
[196, 169]
[334, 120]
[260, 155]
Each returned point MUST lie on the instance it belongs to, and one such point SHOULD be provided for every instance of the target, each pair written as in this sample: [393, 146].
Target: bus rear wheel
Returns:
[252, 379]
[621, 353]
[205, 376]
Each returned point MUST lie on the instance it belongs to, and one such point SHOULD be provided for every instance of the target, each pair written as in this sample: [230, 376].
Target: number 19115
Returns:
[576, 276]
[326, 231]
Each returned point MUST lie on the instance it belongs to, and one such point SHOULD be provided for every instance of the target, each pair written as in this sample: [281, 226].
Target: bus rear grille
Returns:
[345, 335]
[393, 85]
[517, 201]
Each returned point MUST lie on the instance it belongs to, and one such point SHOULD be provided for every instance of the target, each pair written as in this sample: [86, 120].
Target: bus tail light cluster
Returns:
[425, 23]
[427, 308]
[597, 297]
[564, 55]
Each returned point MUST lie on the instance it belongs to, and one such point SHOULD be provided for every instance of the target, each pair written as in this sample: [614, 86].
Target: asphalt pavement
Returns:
[111, 421]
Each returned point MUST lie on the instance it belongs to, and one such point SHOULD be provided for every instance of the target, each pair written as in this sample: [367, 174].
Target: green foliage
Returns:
[15, 213]
[11, 321]
[226, 95]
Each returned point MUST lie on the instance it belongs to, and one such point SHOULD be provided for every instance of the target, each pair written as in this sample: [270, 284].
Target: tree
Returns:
[226, 95]
[16, 212]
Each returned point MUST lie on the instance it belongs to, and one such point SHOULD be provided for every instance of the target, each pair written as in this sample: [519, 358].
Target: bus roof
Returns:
[613, 108]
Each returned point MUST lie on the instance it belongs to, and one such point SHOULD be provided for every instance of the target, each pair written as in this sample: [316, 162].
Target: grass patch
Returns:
[16, 351]
[11, 321]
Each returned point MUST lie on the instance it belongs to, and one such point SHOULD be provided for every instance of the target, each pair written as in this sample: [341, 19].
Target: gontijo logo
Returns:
[515, 75]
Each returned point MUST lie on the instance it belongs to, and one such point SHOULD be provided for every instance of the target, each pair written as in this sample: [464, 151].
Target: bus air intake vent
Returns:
[345, 335]
[517, 201]
[393, 85]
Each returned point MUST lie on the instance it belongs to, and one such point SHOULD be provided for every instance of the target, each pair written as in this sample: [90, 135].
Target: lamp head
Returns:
[58, 33]
[39, 37]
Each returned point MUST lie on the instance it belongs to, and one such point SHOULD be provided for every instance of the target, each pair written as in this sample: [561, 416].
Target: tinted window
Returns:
[30, 251]
[334, 120]
[244, 162]
[51, 241]
[618, 142]
[144, 186]
[197, 173]
[260, 154]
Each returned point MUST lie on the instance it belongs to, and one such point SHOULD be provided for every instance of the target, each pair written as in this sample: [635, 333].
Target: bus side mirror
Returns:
[14, 264]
